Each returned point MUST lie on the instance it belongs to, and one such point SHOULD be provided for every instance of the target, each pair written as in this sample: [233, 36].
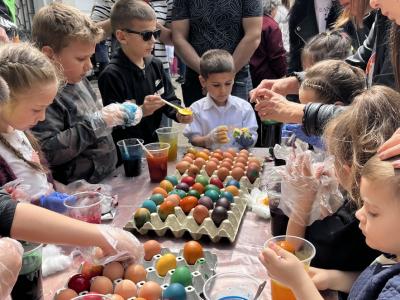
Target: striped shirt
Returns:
[163, 8]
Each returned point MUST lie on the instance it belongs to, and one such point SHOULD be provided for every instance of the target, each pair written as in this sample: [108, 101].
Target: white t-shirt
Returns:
[322, 8]
[36, 180]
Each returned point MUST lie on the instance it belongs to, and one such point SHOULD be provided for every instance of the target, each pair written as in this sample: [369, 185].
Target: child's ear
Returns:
[48, 51]
[202, 81]
[120, 35]
[339, 103]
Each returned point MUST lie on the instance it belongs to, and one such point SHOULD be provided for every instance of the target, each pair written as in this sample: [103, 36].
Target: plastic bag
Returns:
[18, 190]
[11, 252]
[258, 202]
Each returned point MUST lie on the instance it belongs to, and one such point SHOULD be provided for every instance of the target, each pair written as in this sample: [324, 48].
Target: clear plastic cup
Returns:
[169, 135]
[230, 286]
[303, 249]
[85, 206]
[158, 161]
[93, 297]
[131, 154]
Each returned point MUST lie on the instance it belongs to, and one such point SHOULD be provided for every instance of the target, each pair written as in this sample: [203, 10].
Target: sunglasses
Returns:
[146, 35]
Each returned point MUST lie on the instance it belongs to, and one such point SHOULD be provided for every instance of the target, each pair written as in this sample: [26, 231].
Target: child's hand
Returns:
[11, 261]
[151, 104]
[218, 135]
[320, 277]
[184, 119]
[283, 266]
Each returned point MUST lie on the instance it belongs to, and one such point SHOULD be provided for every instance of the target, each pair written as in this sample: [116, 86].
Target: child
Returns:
[134, 73]
[327, 45]
[75, 134]
[353, 138]
[219, 110]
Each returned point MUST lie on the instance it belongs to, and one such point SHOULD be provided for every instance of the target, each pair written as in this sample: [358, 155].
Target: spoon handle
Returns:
[170, 104]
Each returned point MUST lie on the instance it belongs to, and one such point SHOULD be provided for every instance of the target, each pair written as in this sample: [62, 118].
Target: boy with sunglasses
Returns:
[134, 73]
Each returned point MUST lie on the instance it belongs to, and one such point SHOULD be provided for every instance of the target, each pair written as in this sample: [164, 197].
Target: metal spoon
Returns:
[260, 289]
[182, 110]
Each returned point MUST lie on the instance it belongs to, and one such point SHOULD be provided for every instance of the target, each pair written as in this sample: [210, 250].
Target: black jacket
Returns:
[122, 80]
[359, 35]
[303, 26]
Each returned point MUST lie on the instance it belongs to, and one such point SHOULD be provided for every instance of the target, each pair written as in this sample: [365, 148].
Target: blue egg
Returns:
[175, 291]
[233, 182]
[227, 195]
[150, 205]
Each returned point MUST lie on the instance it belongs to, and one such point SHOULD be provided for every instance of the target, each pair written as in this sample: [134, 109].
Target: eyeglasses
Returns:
[146, 35]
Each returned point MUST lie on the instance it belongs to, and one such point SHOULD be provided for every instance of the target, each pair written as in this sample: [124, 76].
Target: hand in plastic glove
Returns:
[297, 129]
[121, 245]
[11, 253]
[243, 137]
[117, 114]
[218, 135]
[55, 201]
[18, 190]
[133, 113]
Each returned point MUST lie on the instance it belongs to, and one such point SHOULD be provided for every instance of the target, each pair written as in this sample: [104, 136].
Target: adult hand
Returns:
[151, 104]
[184, 119]
[391, 148]
[283, 86]
[11, 253]
[3, 36]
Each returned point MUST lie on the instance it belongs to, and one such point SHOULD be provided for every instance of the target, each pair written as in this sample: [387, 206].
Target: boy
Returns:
[134, 73]
[219, 111]
[75, 135]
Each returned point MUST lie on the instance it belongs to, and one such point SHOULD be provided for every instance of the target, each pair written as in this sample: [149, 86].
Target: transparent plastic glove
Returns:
[218, 135]
[11, 253]
[297, 129]
[124, 244]
[133, 113]
[54, 201]
[18, 190]
[243, 137]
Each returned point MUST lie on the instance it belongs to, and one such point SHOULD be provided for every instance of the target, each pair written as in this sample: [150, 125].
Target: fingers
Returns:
[392, 142]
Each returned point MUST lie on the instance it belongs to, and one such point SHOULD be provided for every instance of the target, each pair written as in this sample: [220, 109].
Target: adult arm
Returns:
[101, 12]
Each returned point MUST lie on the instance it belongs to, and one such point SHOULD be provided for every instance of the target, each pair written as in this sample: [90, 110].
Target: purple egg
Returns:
[219, 214]
[224, 202]
[206, 201]
[182, 186]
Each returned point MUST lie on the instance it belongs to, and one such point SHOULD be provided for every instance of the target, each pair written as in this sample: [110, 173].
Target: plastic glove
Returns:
[54, 201]
[18, 190]
[133, 113]
[297, 129]
[11, 253]
[125, 114]
[124, 245]
[243, 137]
[218, 135]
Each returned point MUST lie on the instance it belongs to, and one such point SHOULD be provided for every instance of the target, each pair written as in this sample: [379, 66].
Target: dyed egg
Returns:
[206, 201]
[126, 289]
[212, 187]
[189, 180]
[167, 185]
[137, 273]
[66, 294]
[150, 291]
[192, 251]
[149, 205]
[202, 180]
[165, 263]
[160, 190]
[232, 189]
[188, 203]
[182, 186]
[252, 174]
[174, 198]
[182, 166]
[237, 173]
[194, 193]
[227, 195]
[200, 212]
[101, 285]
[165, 209]
[222, 173]
[157, 198]
[78, 283]
[175, 291]
[219, 214]
[151, 248]
[217, 182]
[224, 203]
[218, 156]
[193, 170]
[141, 216]
[113, 270]
[198, 187]
[213, 194]
[202, 154]
[199, 162]
[182, 275]
[288, 246]
[233, 182]
[172, 179]
[210, 167]
[180, 193]
[191, 150]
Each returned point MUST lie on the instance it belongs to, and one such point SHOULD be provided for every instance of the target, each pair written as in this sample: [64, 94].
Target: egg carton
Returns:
[179, 223]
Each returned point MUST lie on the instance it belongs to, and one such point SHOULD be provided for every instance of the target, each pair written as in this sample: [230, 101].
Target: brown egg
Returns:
[255, 160]
[218, 156]
[191, 155]
[182, 166]
[232, 151]
[113, 270]
[241, 159]
[193, 171]
[253, 165]
[214, 160]
[226, 164]
[150, 291]
[126, 289]
[227, 154]
[218, 151]
[66, 294]
[240, 165]
[228, 160]
[206, 151]
[211, 166]
[199, 162]
[151, 248]
[188, 159]
[237, 173]
[101, 285]
[135, 273]
[117, 297]
[244, 151]
[200, 212]
[222, 173]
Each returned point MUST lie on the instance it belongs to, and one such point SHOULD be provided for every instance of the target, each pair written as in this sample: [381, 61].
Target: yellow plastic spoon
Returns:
[182, 110]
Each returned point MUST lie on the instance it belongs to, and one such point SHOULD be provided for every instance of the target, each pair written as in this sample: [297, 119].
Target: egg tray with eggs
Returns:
[216, 223]
[168, 273]
[242, 166]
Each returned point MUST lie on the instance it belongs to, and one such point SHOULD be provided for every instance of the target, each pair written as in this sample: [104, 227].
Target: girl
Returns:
[353, 138]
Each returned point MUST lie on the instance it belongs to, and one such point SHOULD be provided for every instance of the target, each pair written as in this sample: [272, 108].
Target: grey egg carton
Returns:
[179, 223]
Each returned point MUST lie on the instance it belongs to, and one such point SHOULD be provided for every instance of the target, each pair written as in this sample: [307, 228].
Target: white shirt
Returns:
[281, 17]
[322, 8]
[36, 180]
[237, 113]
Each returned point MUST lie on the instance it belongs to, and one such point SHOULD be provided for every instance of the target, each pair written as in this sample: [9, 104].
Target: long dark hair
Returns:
[395, 41]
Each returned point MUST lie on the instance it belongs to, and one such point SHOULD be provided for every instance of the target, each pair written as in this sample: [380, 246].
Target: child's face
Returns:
[307, 95]
[134, 43]
[28, 107]
[75, 59]
[379, 216]
[219, 86]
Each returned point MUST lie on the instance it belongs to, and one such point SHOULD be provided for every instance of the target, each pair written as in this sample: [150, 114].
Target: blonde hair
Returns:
[57, 24]
[362, 7]
[125, 11]
[354, 136]
[23, 67]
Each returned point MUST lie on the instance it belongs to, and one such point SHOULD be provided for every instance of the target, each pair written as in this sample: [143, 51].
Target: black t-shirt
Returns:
[215, 24]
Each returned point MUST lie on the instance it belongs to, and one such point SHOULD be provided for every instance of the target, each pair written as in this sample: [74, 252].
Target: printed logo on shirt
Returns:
[159, 86]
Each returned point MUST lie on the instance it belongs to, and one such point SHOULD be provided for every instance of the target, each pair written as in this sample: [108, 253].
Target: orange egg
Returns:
[237, 173]
[198, 187]
[174, 198]
[136, 273]
[101, 285]
[226, 164]
[192, 251]
[191, 150]
[150, 291]
[199, 162]
[151, 248]
[159, 190]
[188, 159]
[210, 167]
[218, 156]
[227, 154]
[182, 166]
[240, 165]
[205, 150]
[65, 294]
[233, 190]
[188, 203]
[126, 288]
[113, 270]
[222, 173]
[202, 155]
[241, 159]
[193, 171]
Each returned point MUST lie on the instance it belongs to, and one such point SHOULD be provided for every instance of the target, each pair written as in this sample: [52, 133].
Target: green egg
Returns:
[157, 198]
[202, 180]
[194, 193]
[213, 194]
[180, 193]
[212, 187]
[182, 275]
[172, 179]
[227, 195]
[150, 205]
[141, 216]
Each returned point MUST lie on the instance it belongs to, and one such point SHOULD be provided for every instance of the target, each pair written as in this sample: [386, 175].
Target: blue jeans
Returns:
[242, 85]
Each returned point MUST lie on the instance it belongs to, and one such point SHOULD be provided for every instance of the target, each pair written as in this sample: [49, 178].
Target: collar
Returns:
[209, 103]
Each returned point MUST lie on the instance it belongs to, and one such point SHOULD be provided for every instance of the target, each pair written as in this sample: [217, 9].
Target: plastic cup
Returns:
[158, 161]
[131, 153]
[169, 135]
[29, 282]
[230, 286]
[85, 206]
[93, 297]
[304, 250]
